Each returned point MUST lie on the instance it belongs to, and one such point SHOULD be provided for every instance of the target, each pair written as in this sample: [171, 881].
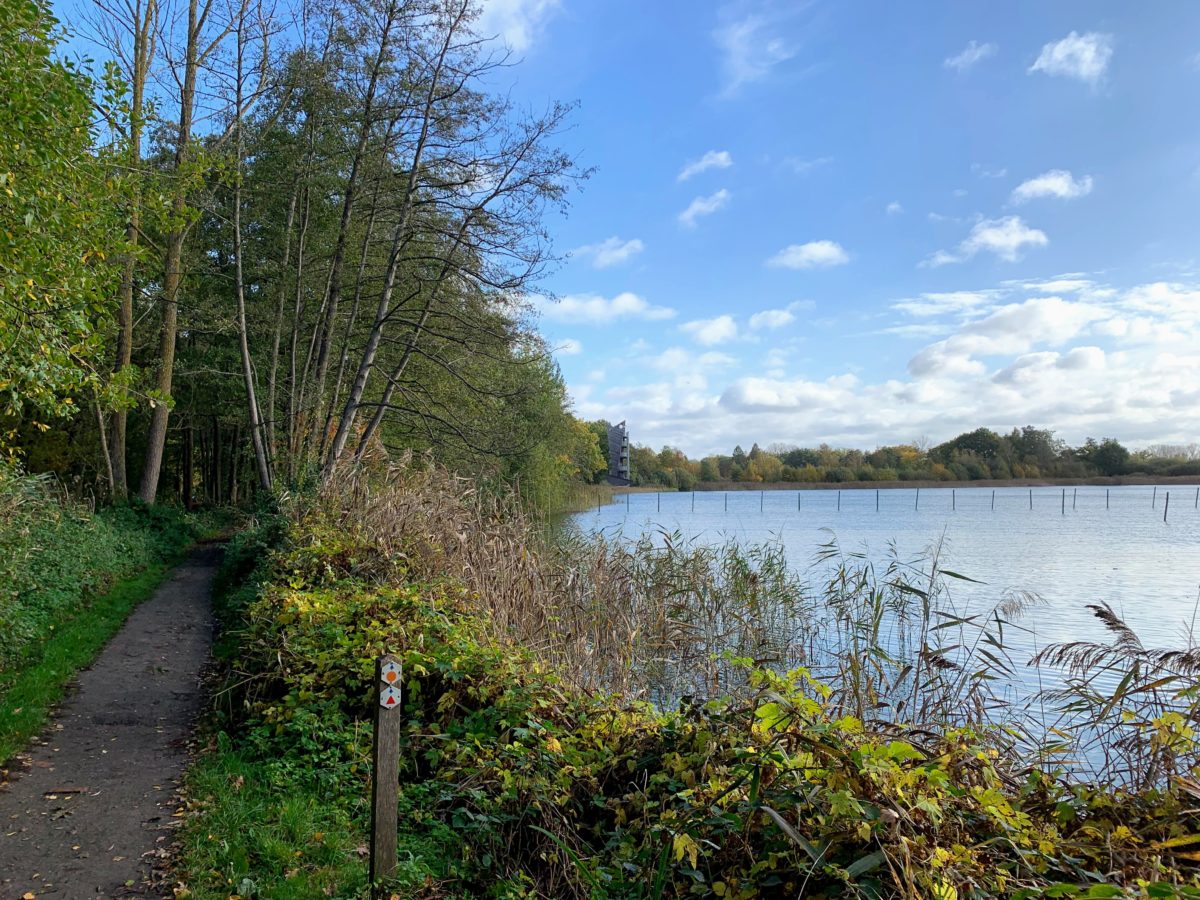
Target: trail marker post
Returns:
[385, 772]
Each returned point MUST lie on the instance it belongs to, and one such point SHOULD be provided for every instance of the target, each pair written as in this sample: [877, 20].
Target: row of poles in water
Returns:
[953, 500]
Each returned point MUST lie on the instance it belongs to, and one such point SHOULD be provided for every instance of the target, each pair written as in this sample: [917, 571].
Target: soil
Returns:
[91, 812]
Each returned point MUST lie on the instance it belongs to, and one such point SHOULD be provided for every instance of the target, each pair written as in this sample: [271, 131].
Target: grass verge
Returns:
[28, 695]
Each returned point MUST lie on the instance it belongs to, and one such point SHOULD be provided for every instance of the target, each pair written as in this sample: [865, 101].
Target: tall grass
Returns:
[672, 621]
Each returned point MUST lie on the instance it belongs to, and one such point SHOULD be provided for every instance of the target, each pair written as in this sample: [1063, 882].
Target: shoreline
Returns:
[1094, 481]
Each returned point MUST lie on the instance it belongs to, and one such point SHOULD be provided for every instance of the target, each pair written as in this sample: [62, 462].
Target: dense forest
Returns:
[259, 243]
[975, 455]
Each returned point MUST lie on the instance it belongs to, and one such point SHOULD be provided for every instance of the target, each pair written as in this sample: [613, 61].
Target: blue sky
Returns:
[901, 225]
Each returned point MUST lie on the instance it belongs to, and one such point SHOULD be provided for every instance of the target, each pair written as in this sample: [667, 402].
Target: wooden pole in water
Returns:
[1106, 490]
[1166, 506]
[1154, 497]
[727, 501]
[1064, 508]
[993, 498]
[693, 501]
[1031, 498]
[1074, 497]
[761, 496]
[917, 502]
[797, 500]
[876, 499]
[659, 496]
[1197, 503]
[839, 501]
[953, 499]
[385, 773]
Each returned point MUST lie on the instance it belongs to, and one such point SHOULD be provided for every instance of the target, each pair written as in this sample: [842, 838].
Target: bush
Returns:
[530, 787]
[55, 555]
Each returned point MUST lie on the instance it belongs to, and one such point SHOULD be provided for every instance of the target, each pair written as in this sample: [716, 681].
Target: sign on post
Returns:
[385, 775]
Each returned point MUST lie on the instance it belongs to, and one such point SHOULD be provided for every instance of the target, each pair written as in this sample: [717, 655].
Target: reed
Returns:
[666, 619]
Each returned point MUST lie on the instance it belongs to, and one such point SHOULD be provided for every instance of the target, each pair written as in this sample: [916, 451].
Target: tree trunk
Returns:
[156, 441]
[256, 435]
[333, 290]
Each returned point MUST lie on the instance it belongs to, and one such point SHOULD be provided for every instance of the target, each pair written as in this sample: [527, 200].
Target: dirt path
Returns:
[92, 811]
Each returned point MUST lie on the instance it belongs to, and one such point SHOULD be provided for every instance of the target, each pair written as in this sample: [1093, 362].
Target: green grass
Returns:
[28, 694]
[264, 829]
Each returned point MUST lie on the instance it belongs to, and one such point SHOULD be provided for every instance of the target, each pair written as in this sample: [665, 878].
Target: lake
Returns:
[1085, 545]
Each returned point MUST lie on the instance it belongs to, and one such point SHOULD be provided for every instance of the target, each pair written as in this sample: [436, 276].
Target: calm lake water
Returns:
[1101, 544]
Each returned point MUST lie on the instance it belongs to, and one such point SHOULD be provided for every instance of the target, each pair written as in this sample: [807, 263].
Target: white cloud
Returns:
[751, 46]
[771, 318]
[703, 206]
[516, 22]
[894, 208]
[593, 309]
[1081, 56]
[1011, 329]
[973, 53]
[1003, 237]
[987, 171]
[713, 159]
[568, 347]
[778, 318]
[610, 252]
[937, 304]
[711, 331]
[1055, 183]
[812, 255]
[802, 166]
[680, 361]
[1094, 360]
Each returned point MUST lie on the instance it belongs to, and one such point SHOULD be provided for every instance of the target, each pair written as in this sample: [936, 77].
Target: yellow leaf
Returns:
[684, 844]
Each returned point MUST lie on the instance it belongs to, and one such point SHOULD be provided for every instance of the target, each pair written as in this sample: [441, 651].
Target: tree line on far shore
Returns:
[1027, 452]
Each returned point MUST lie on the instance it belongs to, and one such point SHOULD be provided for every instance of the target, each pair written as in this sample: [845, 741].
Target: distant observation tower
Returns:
[618, 455]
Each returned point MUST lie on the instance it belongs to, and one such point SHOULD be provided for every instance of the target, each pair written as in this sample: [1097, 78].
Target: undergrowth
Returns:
[516, 781]
[69, 576]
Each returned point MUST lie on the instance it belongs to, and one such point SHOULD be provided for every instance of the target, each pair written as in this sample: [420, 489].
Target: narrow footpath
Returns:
[89, 811]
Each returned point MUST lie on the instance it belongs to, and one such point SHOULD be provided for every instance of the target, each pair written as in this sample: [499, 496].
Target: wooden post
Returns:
[1031, 498]
[693, 501]
[1154, 498]
[659, 496]
[917, 502]
[876, 499]
[385, 772]
[953, 499]
[798, 498]
[993, 499]
[1196, 505]
[1064, 503]
[1074, 497]
[761, 495]
[839, 500]
[1106, 490]
[1166, 506]
[727, 501]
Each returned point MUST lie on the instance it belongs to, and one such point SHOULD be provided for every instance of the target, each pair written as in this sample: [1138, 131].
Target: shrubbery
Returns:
[529, 787]
[55, 555]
